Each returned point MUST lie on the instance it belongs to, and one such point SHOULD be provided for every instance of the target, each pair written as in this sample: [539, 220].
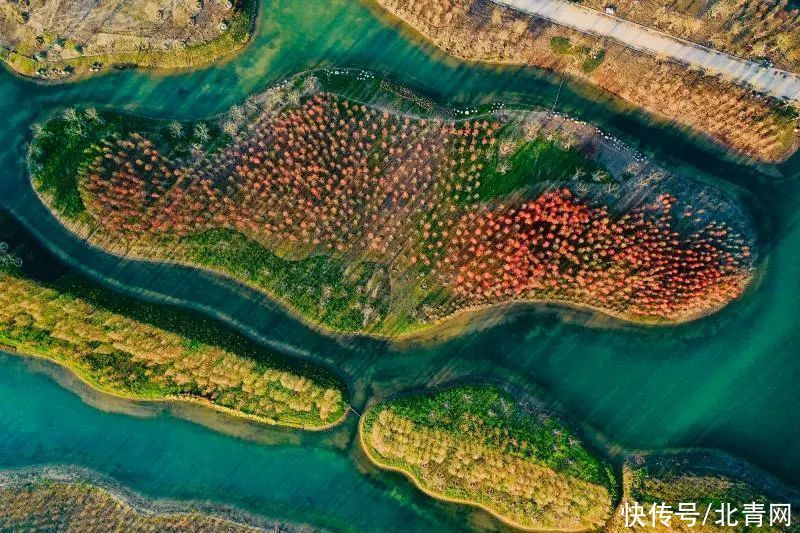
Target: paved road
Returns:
[765, 79]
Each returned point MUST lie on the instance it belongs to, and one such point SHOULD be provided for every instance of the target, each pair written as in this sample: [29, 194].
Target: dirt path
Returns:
[772, 81]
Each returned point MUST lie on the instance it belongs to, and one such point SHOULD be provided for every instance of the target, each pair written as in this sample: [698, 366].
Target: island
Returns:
[129, 348]
[478, 445]
[55, 499]
[365, 207]
[58, 40]
[712, 482]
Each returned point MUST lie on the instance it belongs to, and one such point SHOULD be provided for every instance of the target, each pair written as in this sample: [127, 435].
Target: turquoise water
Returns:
[728, 381]
[164, 457]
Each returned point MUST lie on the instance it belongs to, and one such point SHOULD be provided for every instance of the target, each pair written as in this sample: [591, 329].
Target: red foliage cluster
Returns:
[128, 181]
[329, 173]
[556, 247]
[345, 178]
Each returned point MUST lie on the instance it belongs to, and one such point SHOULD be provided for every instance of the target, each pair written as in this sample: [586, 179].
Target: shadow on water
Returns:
[727, 381]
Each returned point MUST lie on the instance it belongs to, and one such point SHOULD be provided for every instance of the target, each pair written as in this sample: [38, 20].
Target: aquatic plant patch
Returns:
[52, 499]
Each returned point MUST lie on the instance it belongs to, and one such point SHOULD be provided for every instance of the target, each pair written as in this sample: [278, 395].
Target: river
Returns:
[728, 381]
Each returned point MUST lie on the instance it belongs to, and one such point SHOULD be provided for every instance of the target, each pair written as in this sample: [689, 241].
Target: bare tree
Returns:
[176, 129]
[201, 132]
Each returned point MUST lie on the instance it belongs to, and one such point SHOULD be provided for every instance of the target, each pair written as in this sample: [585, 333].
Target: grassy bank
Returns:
[752, 30]
[730, 115]
[83, 507]
[151, 352]
[711, 482]
[476, 445]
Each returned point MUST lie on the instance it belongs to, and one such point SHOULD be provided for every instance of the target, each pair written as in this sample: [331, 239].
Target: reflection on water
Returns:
[727, 381]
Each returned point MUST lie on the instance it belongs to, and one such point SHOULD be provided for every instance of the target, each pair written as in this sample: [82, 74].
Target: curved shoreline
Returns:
[727, 464]
[139, 503]
[365, 448]
[87, 380]
[113, 62]
[427, 329]
[719, 461]
[420, 330]
[444, 322]
[419, 33]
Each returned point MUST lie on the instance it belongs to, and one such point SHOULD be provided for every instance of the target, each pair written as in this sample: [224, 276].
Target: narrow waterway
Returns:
[728, 381]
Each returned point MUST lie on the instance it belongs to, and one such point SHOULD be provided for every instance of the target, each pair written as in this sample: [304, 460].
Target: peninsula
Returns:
[58, 40]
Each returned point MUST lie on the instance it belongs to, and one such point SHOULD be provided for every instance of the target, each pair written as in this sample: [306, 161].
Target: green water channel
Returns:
[728, 381]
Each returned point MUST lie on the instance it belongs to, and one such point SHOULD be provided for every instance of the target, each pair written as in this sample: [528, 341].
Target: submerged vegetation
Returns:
[48, 506]
[476, 445]
[145, 351]
[367, 208]
[389, 216]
